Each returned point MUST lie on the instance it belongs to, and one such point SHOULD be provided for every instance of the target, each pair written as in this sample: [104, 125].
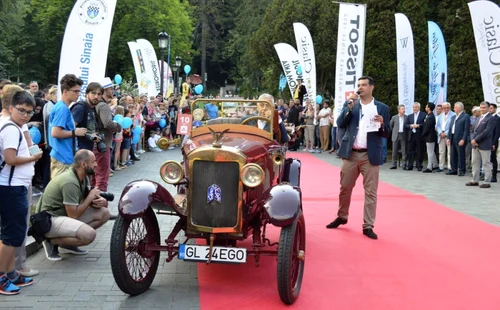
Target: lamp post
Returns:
[162, 43]
[178, 64]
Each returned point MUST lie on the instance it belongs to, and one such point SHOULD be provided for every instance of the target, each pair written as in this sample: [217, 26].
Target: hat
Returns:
[106, 83]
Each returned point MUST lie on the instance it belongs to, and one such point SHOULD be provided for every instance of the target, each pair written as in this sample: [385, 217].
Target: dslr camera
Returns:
[106, 195]
[101, 146]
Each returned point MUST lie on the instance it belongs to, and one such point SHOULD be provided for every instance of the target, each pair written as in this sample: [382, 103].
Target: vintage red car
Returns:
[233, 181]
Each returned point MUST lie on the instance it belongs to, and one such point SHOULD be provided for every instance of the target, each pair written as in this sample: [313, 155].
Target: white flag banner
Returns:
[84, 51]
[406, 63]
[486, 23]
[168, 80]
[290, 63]
[307, 59]
[350, 52]
[140, 70]
[151, 65]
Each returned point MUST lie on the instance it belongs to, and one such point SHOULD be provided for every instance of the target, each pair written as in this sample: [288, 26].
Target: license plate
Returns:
[200, 253]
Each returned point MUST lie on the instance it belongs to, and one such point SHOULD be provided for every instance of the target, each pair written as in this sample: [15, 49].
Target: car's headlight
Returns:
[252, 175]
[171, 172]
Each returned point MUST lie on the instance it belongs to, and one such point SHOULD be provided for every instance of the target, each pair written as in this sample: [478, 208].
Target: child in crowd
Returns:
[153, 138]
[126, 144]
[118, 138]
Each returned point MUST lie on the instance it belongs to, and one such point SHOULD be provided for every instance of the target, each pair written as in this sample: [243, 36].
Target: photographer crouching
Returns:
[75, 209]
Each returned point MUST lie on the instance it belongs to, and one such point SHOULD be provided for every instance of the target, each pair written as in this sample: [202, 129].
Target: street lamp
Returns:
[174, 68]
[162, 43]
[178, 64]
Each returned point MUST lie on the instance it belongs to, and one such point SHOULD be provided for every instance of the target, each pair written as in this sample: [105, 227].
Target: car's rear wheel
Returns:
[291, 260]
[133, 266]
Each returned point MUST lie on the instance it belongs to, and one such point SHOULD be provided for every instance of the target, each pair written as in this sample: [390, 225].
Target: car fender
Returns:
[138, 195]
[291, 172]
[282, 203]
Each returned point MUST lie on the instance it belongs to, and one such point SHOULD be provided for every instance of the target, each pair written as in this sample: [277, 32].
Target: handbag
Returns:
[41, 223]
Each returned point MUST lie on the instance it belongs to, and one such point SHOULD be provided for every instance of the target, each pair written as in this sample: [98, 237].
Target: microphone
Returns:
[351, 101]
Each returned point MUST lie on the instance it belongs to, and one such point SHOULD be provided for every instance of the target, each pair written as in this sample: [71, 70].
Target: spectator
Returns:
[76, 210]
[14, 183]
[152, 143]
[62, 126]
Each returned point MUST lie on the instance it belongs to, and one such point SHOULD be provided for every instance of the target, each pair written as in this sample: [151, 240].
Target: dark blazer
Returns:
[394, 124]
[462, 127]
[429, 133]
[349, 120]
[482, 133]
[496, 132]
[411, 120]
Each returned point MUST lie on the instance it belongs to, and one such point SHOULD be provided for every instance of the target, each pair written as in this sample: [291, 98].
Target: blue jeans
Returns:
[334, 143]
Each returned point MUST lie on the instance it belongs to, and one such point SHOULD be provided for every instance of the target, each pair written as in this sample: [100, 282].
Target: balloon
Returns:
[136, 139]
[35, 134]
[127, 122]
[137, 130]
[319, 99]
[187, 69]
[162, 123]
[299, 70]
[198, 89]
[118, 79]
[118, 118]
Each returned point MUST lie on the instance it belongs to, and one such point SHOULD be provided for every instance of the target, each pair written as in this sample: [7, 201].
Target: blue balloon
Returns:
[187, 69]
[299, 70]
[198, 89]
[136, 139]
[118, 118]
[127, 122]
[35, 134]
[137, 131]
[118, 79]
[162, 123]
[319, 99]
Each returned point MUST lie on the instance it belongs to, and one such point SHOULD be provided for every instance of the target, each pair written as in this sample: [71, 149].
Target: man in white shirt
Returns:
[442, 128]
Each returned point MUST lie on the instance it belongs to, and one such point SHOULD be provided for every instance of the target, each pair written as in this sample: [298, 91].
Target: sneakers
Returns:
[22, 281]
[51, 251]
[7, 287]
[73, 250]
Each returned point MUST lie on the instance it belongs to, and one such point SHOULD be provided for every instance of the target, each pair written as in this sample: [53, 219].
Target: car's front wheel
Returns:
[134, 267]
[291, 260]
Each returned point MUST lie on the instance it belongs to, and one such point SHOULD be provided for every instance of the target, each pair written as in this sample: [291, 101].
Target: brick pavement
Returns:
[86, 282]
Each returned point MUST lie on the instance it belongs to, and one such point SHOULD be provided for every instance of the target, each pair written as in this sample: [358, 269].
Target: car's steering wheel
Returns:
[255, 118]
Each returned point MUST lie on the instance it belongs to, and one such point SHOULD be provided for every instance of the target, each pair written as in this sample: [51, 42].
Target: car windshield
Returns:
[245, 112]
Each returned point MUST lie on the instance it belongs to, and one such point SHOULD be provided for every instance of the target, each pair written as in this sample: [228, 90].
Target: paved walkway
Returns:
[87, 281]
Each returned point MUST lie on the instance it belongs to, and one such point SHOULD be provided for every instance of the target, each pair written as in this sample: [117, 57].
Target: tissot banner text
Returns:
[84, 51]
[486, 23]
[290, 63]
[151, 65]
[350, 52]
[406, 62]
[140, 70]
[438, 67]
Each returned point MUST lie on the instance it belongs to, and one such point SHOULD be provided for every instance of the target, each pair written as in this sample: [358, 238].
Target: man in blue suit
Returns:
[457, 138]
[442, 128]
[481, 141]
[361, 152]
[415, 146]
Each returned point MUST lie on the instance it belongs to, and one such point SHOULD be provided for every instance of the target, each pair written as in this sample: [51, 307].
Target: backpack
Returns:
[3, 163]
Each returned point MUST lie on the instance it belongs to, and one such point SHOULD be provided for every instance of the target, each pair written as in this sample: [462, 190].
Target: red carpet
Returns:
[427, 256]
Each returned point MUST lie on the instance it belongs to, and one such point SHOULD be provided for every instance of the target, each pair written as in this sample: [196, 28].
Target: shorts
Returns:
[13, 211]
[126, 143]
[63, 226]
[57, 167]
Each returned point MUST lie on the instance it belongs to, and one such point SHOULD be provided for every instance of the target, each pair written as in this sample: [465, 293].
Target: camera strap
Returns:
[82, 186]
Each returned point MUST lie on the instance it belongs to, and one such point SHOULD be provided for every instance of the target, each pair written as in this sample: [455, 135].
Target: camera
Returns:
[101, 146]
[106, 195]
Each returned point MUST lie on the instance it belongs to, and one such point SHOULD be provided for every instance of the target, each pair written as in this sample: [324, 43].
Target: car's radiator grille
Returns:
[215, 194]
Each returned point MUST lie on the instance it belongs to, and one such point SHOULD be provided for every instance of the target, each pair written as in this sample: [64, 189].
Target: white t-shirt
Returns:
[9, 139]
[152, 142]
[324, 121]
[361, 140]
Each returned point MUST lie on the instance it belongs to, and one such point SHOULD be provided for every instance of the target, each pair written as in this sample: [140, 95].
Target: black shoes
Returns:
[338, 221]
[370, 234]
[427, 171]
[394, 167]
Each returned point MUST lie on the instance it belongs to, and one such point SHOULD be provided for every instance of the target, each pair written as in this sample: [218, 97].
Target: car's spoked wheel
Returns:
[291, 260]
[134, 267]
